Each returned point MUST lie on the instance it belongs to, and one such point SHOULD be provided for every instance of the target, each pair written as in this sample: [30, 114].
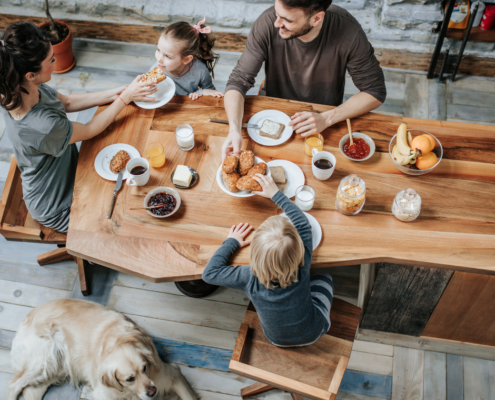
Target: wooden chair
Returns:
[17, 224]
[314, 371]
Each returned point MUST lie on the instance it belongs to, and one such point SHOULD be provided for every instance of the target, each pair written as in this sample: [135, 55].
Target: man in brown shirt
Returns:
[306, 45]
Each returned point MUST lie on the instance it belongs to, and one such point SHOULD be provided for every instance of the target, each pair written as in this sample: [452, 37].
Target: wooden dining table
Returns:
[455, 229]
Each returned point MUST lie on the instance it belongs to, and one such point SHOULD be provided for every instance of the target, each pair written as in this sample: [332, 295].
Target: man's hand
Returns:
[240, 232]
[269, 187]
[232, 145]
[307, 123]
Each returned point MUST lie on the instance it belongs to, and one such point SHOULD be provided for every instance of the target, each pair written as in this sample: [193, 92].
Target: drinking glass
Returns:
[155, 154]
[313, 142]
[185, 137]
[305, 197]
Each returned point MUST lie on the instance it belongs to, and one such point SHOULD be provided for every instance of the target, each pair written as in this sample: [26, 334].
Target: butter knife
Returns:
[118, 185]
[244, 125]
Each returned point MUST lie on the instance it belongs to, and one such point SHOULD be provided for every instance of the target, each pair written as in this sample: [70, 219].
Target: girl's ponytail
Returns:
[24, 48]
[196, 41]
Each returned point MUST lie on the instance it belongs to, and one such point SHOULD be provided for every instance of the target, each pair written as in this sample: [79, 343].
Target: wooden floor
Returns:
[199, 334]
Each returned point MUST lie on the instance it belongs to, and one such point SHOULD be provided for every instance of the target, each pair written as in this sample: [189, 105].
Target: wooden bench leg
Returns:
[83, 276]
[255, 389]
[54, 256]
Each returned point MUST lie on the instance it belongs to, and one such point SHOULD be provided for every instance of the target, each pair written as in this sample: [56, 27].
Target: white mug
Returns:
[322, 174]
[138, 180]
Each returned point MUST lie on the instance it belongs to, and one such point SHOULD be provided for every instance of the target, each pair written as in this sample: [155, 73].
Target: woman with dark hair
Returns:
[37, 124]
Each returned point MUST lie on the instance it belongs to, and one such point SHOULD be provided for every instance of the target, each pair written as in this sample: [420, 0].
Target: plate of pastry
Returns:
[165, 85]
[234, 176]
[113, 159]
[287, 175]
[274, 127]
[315, 228]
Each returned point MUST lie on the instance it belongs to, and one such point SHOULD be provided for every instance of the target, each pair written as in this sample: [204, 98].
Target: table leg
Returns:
[198, 288]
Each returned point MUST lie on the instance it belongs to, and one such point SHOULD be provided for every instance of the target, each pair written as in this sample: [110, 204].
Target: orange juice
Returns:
[156, 155]
[313, 142]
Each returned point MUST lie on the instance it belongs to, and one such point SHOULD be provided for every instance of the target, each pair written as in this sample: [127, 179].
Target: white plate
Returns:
[165, 92]
[102, 160]
[293, 174]
[242, 193]
[315, 228]
[275, 116]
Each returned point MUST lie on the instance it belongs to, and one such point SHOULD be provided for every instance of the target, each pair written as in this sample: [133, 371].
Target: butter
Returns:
[182, 176]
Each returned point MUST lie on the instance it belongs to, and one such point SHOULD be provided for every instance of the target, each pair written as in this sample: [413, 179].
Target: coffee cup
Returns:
[327, 164]
[138, 178]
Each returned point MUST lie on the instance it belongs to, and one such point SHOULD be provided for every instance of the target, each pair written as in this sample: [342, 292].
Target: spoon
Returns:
[148, 208]
[350, 131]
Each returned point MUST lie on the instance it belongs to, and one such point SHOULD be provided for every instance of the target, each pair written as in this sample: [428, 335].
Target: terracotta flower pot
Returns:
[65, 60]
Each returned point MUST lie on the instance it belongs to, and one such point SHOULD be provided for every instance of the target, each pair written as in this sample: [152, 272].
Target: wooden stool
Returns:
[314, 371]
[17, 224]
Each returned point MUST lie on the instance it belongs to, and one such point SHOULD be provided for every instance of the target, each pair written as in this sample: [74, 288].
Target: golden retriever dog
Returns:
[88, 343]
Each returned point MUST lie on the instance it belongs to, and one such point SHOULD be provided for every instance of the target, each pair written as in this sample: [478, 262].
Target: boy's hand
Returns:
[212, 93]
[240, 232]
[269, 187]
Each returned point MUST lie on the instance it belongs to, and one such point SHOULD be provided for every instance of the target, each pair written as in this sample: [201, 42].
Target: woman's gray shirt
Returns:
[46, 160]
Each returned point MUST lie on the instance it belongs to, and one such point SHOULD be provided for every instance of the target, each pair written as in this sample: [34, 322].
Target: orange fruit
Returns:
[433, 143]
[421, 143]
[426, 161]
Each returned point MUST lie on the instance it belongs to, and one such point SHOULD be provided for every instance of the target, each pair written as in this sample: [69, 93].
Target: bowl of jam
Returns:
[167, 198]
[362, 149]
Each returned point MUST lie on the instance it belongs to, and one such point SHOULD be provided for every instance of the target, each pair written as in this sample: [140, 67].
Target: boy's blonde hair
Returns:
[277, 252]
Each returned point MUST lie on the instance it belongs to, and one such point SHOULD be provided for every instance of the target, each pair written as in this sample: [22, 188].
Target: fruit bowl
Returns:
[413, 170]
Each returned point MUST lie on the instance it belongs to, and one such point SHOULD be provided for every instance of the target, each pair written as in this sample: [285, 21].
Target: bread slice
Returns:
[271, 129]
[282, 186]
[154, 74]
[278, 174]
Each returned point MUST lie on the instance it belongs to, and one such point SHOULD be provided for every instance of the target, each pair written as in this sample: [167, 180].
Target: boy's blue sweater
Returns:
[288, 316]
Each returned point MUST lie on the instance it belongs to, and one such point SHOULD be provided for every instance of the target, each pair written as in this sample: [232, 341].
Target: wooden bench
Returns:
[314, 371]
[17, 224]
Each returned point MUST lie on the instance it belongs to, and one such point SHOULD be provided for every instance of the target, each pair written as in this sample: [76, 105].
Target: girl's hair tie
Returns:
[198, 28]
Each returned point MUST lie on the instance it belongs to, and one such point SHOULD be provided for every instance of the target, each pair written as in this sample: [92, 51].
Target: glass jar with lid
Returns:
[407, 205]
[351, 195]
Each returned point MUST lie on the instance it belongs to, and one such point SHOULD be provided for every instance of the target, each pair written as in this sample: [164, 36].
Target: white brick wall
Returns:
[400, 24]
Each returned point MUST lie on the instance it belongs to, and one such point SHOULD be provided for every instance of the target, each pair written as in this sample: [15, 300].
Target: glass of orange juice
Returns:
[313, 142]
[155, 154]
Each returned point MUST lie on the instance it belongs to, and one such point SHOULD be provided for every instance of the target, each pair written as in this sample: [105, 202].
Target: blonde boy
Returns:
[294, 308]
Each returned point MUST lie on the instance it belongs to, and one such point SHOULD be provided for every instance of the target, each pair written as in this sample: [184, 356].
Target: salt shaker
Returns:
[407, 205]
[351, 195]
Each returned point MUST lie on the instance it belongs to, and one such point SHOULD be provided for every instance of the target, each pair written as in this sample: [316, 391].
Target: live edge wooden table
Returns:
[455, 230]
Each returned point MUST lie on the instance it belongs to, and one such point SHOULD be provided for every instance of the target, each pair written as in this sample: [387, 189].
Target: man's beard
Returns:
[303, 31]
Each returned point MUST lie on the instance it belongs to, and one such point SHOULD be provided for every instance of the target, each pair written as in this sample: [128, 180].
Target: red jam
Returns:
[359, 150]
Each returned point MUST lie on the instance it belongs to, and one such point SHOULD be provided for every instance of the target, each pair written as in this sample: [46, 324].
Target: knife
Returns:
[118, 185]
[244, 125]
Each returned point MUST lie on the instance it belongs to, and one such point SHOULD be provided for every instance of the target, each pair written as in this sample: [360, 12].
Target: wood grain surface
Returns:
[403, 298]
[455, 230]
[465, 312]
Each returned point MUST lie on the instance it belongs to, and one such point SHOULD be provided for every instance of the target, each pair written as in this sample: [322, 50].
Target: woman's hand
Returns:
[115, 92]
[240, 232]
[212, 93]
[139, 91]
[195, 95]
[270, 188]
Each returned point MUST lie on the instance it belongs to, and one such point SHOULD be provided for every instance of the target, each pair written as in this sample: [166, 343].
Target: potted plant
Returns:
[61, 39]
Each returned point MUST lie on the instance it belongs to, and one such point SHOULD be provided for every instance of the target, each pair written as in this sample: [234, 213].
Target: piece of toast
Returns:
[154, 74]
[282, 186]
[271, 129]
[278, 174]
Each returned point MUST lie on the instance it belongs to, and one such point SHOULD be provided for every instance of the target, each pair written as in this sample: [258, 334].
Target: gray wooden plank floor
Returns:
[24, 285]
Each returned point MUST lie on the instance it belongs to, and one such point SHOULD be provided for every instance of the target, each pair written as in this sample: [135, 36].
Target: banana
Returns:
[402, 159]
[409, 139]
[402, 143]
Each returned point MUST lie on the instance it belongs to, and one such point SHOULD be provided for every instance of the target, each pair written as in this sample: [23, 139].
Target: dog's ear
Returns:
[109, 379]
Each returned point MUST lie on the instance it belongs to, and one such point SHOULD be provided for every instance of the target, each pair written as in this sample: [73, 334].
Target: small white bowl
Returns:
[162, 189]
[357, 135]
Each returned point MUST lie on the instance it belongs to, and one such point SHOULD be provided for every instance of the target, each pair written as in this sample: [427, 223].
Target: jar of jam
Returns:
[351, 195]
[407, 205]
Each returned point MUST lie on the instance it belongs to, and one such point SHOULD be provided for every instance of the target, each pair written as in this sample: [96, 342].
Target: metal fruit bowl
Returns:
[413, 170]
